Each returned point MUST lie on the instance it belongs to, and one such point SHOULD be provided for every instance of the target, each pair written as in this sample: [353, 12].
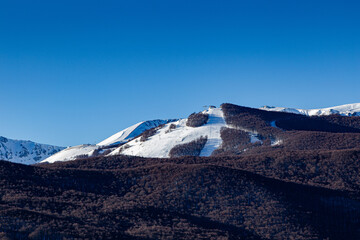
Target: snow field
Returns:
[165, 139]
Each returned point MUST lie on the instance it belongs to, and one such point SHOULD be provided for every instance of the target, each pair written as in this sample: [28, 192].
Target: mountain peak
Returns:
[24, 151]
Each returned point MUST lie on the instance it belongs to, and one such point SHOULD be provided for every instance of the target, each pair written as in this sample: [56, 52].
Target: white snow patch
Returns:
[276, 142]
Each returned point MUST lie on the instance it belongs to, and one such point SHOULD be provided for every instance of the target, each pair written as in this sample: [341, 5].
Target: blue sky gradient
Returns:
[74, 72]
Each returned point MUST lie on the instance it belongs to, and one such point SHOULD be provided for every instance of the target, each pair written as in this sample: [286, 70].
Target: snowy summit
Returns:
[26, 152]
[344, 110]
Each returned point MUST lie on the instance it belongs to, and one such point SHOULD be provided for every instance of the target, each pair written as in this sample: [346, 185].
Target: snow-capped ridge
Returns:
[72, 153]
[352, 109]
[88, 150]
[25, 151]
[133, 131]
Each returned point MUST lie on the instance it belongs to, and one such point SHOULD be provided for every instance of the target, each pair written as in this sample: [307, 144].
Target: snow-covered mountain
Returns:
[167, 134]
[157, 138]
[26, 152]
[175, 133]
[124, 136]
[345, 110]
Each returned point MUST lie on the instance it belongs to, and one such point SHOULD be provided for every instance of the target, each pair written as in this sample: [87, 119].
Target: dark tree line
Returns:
[197, 119]
[192, 148]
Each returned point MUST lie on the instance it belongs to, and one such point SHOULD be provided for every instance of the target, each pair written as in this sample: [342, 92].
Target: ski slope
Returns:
[160, 144]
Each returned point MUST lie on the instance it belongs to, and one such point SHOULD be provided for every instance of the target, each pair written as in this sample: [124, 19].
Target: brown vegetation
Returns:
[171, 128]
[150, 132]
[192, 148]
[233, 142]
[297, 132]
[279, 195]
[197, 119]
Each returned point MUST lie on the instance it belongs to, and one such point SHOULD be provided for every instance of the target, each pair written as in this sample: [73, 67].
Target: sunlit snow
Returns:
[165, 139]
[345, 110]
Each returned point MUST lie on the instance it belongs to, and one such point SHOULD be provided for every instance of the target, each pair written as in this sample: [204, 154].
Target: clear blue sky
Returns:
[74, 72]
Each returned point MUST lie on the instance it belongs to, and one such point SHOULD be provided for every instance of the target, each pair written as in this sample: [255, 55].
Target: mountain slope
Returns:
[282, 130]
[132, 132]
[345, 110]
[123, 197]
[160, 144]
[270, 175]
[229, 130]
[88, 150]
[26, 152]
[152, 139]
[72, 153]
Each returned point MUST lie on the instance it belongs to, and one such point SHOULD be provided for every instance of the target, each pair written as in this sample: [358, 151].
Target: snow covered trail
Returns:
[215, 123]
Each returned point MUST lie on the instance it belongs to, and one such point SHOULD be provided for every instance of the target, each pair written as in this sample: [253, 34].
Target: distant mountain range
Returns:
[344, 110]
[230, 129]
[26, 152]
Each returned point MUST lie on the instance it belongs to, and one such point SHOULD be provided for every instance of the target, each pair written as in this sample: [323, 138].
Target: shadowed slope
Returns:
[131, 197]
